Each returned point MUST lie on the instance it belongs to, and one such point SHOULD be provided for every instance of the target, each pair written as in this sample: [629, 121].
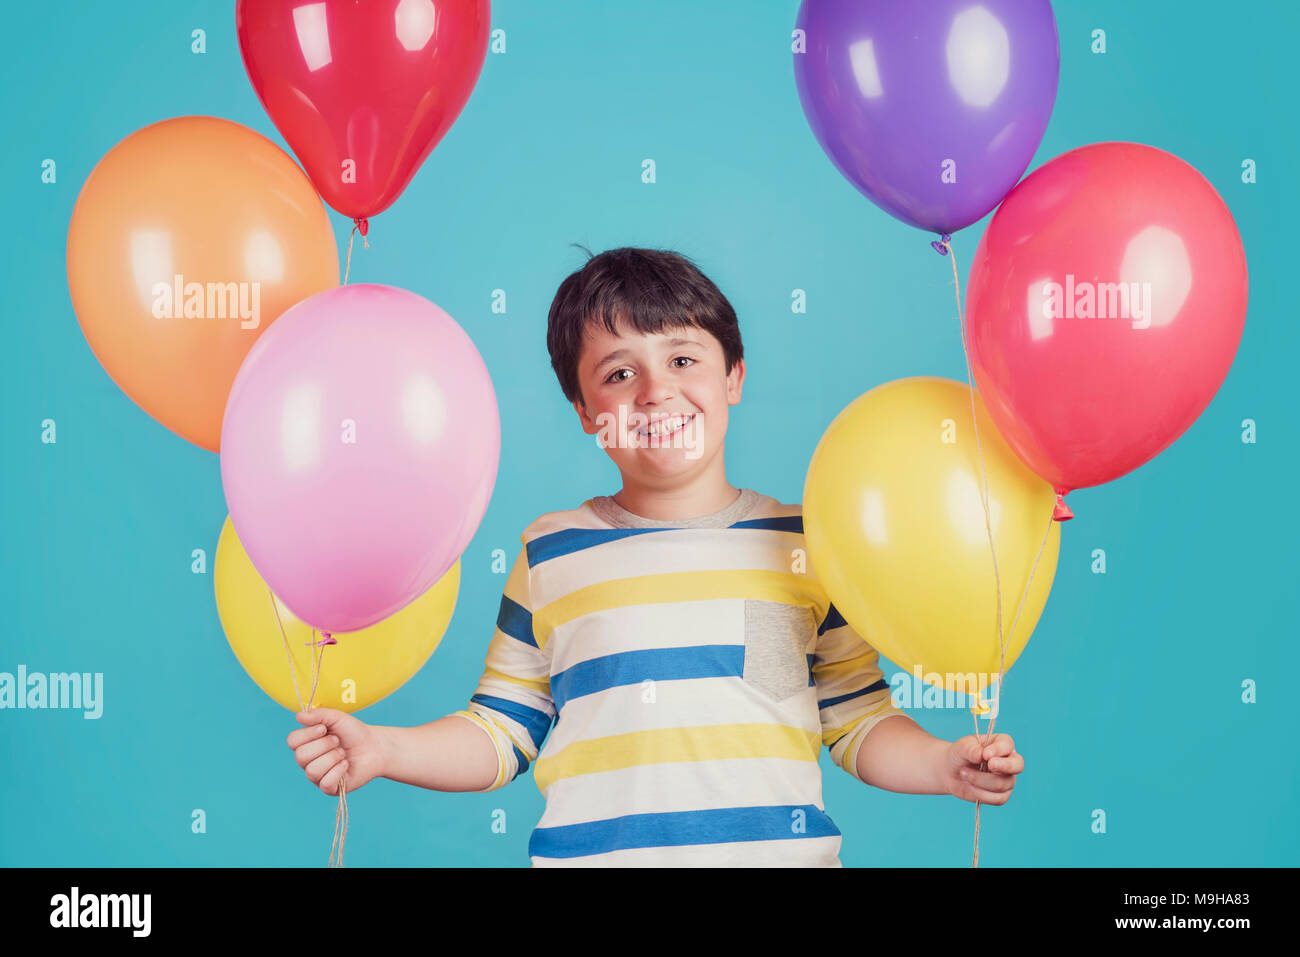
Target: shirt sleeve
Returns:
[852, 693]
[512, 702]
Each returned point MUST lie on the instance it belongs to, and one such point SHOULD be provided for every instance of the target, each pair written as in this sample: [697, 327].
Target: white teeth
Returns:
[666, 426]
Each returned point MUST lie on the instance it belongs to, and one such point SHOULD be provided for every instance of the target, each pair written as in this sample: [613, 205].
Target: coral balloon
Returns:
[363, 92]
[895, 529]
[188, 240]
[1105, 304]
[359, 452]
[369, 664]
[932, 110]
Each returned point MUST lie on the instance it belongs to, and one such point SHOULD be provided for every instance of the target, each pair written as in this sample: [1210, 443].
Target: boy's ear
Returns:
[735, 381]
[588, 425]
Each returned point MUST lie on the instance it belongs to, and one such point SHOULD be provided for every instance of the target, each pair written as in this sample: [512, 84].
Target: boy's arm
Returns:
[868, 736]
[450, 754]
[512, 704]
[494, 739]
[880, 745]
[899, 755]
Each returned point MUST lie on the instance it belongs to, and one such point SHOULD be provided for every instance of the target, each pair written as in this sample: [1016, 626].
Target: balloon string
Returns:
[340, 824]
[347, 267]
[293, 671]
[944, 246]
[1002, 679]
[316, 665]
[341, 812]
[318, 659]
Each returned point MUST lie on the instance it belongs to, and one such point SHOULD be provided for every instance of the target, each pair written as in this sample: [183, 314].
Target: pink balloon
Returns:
[359, 450]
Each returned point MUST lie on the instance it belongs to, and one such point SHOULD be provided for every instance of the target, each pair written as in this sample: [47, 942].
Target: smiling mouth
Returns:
[666, 427]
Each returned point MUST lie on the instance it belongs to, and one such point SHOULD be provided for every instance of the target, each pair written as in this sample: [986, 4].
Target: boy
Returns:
[673, 633]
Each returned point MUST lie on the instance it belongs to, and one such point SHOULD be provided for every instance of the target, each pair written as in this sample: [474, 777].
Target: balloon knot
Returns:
[1062, 512]
[941, 245]
[361, 226]
[326, 639]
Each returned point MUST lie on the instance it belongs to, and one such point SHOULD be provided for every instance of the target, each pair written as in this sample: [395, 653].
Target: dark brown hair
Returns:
[650, 290]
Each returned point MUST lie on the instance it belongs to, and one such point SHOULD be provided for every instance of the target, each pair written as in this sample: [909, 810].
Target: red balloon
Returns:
[1105, 304]
[363, 92]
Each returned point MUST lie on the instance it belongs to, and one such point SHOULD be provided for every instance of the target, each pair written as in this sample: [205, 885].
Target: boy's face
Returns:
[658, 403]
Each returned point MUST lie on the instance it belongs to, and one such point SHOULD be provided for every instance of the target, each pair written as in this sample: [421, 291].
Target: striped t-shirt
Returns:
[693, 670]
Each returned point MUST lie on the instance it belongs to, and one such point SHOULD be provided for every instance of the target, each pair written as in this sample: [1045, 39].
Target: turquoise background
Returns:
[1127, 699]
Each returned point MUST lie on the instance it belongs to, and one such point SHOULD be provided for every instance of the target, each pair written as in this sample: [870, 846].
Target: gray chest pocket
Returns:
[777, 639]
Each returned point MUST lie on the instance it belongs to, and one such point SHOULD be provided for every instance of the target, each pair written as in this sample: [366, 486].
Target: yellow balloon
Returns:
[375, 661]
[895, 530]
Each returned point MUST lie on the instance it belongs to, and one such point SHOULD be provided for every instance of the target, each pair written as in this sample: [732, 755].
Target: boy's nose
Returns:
[654, 392]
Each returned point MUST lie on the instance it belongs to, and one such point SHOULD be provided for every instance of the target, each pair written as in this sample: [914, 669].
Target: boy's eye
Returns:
[613, 376]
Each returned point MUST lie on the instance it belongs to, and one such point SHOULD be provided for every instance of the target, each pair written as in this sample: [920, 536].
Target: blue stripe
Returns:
[811, 680]
[656, 664]
[570, 540]
[833, 620]
[874, 686]
[523, 762]
[516, 621]
[677, 828]
[537, 723]
[787, 523]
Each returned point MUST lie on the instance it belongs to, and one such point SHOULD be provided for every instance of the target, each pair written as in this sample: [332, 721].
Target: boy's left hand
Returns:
[962, 774]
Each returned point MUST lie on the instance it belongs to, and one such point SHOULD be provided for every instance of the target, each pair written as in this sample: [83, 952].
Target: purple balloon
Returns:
[359, 450]
[932, 109]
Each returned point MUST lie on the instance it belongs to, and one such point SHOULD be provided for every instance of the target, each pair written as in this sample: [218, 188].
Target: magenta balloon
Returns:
[359, 450]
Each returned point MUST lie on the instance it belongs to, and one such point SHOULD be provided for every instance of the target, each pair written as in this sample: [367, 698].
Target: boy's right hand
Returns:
[334, 744]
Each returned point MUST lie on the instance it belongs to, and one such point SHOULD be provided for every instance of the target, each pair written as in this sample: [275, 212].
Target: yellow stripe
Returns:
[541, 685]
[761, 584]
[831, 735]
[826, 674]
[849, 750]
[699, 743]
[501, 761]
[844, 760]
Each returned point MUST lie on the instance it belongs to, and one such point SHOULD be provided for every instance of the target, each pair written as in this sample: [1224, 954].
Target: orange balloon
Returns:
[189, 238]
